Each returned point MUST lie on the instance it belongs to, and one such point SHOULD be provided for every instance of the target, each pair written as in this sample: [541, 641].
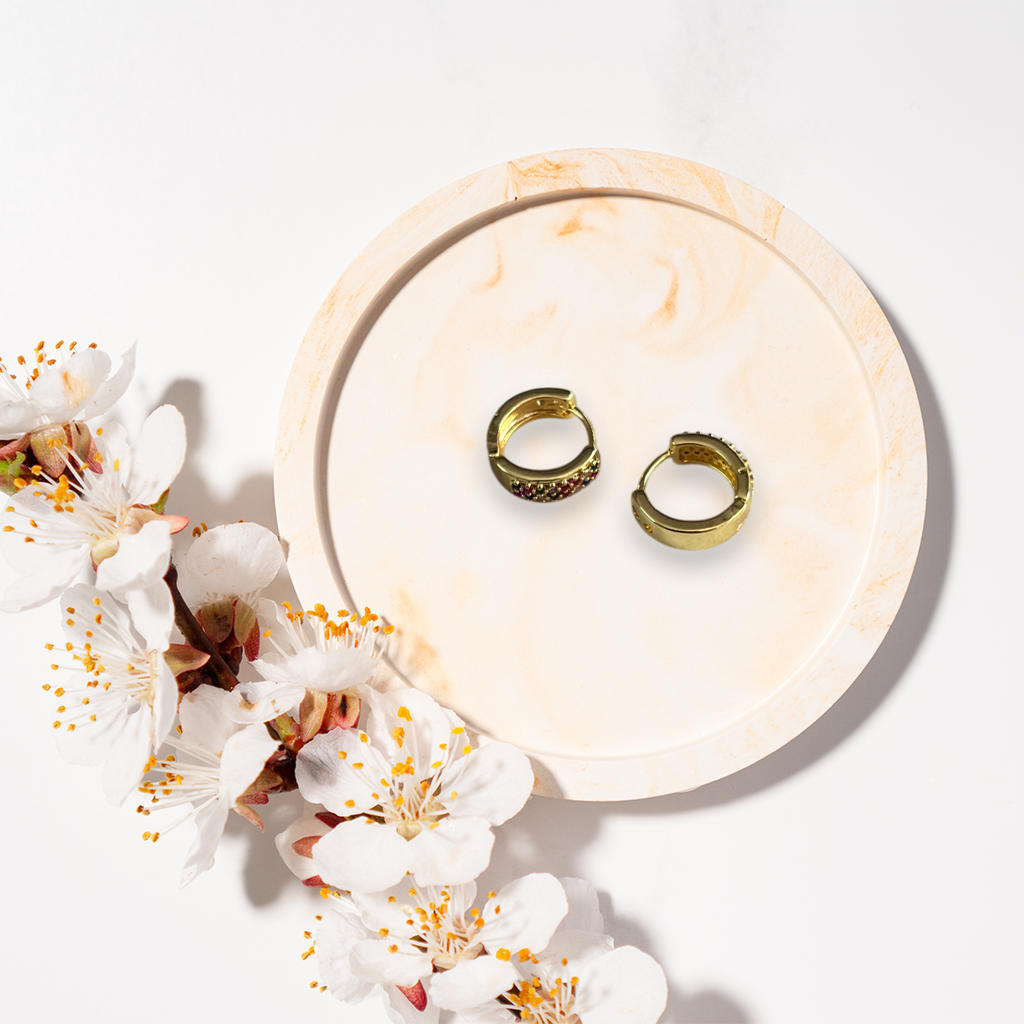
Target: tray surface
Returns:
[669, 298]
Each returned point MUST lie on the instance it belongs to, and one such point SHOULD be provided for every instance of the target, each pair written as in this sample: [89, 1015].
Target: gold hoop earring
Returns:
[697, 534]
[541, 484]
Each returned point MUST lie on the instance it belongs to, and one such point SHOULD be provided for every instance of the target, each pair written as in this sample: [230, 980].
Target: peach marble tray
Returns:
[669, 297]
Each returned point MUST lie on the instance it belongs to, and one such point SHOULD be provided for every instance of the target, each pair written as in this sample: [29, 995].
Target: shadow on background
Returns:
[252, 501]
[265, 876]
[548, 834]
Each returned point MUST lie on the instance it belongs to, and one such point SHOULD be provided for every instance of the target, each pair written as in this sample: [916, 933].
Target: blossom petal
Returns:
[579, 947]
[492, 782]
[488, 1013]
[362, 855]
[16, 417]
[157, 455]
[126, 759]
[165, 703]
[204, 719]
[92, 746]
[451, 851]
[112, 441]
[230, 561]
[584, 909]
[54, 569]
[63, 390]
[210, 823]
[152, 611]
[141, 560]
[472, 982]
[109, 391]
[330, 671]
[423, 719]
[337, 934]
[625, 986]
[260, 701]
[308, 825]
[389, 963]
[326, 778]
[531, 909]
[243, 759]
[401, 1011]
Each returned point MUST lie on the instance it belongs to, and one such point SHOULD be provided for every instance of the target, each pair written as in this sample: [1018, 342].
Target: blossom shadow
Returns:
[706, 1006]
[252, 500]
[265, 875]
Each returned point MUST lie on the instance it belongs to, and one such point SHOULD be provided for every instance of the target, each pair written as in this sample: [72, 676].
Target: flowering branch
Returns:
[408, 796]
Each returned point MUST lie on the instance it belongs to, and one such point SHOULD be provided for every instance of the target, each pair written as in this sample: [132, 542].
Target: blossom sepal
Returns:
[181, 659]
[47, 449]
[12, 459]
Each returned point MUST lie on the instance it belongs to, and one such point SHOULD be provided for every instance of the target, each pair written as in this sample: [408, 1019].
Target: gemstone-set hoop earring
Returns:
[541, 484]
[546, 485]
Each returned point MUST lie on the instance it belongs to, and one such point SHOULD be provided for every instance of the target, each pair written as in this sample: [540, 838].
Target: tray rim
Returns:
[383, 267]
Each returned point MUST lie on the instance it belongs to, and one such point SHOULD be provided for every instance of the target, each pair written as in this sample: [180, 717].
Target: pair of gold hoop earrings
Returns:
[564, 481]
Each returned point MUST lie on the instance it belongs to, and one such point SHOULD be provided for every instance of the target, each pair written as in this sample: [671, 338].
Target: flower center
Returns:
[444, 935]
[410, 804]
[118, 675]
[174, 782]
[538, 1004]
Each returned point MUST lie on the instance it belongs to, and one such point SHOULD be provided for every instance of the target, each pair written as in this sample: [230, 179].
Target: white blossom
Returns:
[234, 561]
[119, 702]
[435, 930]
[309, 652]
[579, 978]
[340, 931]
[52, 529]
[217, 761]
[59, 389]
[425, 796]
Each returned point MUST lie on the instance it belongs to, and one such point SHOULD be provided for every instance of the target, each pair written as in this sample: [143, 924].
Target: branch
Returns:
[193, 633]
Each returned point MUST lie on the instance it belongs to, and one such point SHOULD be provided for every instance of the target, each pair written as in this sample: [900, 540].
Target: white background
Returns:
[197, 175]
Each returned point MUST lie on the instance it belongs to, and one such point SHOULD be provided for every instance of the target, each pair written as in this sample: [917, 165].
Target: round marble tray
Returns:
[669, 297]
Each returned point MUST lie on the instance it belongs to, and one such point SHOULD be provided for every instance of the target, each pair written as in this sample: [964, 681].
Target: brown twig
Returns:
[195, 637]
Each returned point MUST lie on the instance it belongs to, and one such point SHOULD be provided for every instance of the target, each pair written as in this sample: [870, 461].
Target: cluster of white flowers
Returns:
[401, 797]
